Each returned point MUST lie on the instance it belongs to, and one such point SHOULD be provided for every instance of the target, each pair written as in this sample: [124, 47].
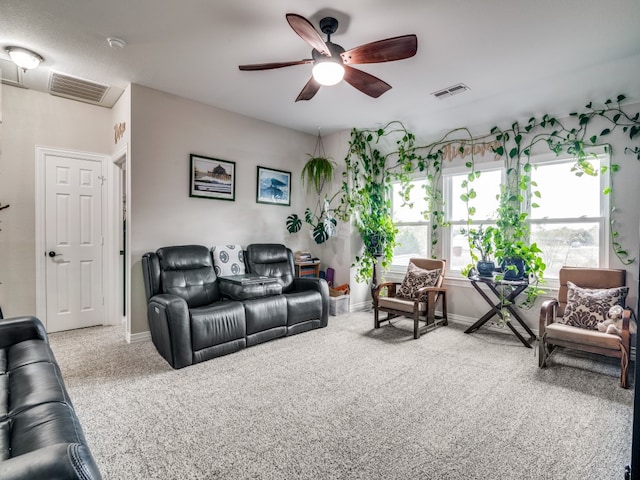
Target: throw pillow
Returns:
[228, 260]
[586, 307]
[415, 279]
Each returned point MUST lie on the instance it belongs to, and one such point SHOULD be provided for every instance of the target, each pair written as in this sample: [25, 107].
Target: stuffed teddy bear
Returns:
[613, 323]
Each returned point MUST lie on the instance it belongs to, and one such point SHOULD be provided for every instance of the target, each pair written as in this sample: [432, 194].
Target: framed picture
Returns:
[274, 186]
[212, 178]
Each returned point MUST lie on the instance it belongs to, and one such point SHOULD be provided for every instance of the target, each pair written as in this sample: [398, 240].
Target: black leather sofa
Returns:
[194, 316]
[40, 435]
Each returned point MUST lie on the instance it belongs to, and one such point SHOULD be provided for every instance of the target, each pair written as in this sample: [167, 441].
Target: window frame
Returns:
[447, 174]
[396, 268]
[604, 156]
[605, 208]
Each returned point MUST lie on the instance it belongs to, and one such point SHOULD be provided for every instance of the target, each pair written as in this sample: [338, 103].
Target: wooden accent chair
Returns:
[420, 307]
[553, 332]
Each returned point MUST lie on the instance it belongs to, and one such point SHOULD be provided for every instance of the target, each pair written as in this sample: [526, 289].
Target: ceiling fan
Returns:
[332, 63]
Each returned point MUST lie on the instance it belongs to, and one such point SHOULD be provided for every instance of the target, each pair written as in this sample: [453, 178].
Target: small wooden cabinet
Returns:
[307, 269]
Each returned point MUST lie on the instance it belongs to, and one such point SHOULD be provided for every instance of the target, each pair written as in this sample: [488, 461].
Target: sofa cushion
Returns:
[27, 352]
[272, 260]
[4, 396]
[415, 279]
[228, 260]
[582, 336]
[187, 271]
[218, 323]
[303, 306]
[3, 360]
[400, 304]
[44, 425]
[5, 433]
[266, 313]
[35, 384]
[586, 307]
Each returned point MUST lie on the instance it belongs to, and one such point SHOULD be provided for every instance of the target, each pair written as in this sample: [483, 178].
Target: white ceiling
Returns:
[519, 57]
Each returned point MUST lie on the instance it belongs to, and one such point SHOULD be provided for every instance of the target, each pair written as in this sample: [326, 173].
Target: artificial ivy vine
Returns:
[370, 169]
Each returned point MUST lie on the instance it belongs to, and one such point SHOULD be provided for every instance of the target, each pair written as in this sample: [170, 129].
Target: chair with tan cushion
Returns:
[416, 297]
[584, 298]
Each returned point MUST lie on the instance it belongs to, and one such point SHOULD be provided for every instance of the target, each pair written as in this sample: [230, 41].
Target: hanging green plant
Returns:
[317, 173]
[370, 170]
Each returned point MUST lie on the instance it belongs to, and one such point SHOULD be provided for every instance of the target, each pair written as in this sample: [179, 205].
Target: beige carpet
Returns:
[349, 402]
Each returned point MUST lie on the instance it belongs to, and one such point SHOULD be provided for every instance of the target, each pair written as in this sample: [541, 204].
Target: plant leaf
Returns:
[293, 223]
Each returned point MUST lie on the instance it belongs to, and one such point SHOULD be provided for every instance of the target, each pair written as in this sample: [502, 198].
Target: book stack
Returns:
[303, 257]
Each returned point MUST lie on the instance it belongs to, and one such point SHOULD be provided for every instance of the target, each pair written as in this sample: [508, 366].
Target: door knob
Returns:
[54, 254]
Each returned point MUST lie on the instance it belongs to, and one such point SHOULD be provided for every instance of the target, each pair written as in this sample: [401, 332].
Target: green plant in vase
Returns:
[518, 258]
[317, 174]
[481, 241]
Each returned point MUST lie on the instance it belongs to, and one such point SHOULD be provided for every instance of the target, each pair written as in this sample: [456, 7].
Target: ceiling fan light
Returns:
[24, 58]
[327, 73]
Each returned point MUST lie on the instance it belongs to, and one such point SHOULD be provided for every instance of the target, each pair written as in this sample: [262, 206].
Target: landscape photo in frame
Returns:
[274, 186]
[212, 178]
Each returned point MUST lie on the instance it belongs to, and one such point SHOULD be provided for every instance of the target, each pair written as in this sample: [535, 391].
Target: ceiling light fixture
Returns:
[328, 72]
[24, 58]
[117, 43]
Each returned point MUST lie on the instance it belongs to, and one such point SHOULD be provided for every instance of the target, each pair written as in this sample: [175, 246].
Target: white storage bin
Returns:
[339, 305]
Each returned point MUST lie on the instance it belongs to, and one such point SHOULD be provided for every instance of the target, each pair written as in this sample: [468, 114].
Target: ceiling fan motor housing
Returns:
[328, 25]
[334, 49]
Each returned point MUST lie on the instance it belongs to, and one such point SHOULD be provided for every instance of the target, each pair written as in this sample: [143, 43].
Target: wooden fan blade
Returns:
[303, 27]
[268, 66]
[366, 83]
[309, 90]
[396, 48]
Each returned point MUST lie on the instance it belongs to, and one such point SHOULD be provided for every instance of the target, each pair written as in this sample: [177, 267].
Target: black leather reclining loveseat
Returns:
[40, 435]
[194, 316]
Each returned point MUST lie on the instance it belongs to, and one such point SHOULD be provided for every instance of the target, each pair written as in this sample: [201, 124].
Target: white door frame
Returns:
[119, 162]
[108, 276]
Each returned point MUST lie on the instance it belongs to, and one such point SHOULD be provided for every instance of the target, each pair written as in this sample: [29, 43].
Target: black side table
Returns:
[508, 291]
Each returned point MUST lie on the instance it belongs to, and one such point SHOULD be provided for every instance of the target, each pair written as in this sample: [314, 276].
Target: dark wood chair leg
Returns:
[445, 319]
[624, 368]
[542, 353]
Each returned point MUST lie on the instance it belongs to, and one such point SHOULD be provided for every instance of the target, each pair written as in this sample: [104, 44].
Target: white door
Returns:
[73, 231]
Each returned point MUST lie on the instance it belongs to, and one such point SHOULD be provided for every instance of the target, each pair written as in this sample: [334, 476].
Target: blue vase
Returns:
[513, 274]
[485, 269]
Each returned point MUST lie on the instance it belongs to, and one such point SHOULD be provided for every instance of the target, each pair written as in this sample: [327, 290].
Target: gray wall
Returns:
[32, 118]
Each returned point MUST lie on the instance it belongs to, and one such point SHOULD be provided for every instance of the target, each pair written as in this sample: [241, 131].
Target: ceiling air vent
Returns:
[76, 88]
[450, 91]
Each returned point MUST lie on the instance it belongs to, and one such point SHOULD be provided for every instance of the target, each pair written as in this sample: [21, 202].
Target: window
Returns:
[569, 225]
[414, 231]
[486, 187]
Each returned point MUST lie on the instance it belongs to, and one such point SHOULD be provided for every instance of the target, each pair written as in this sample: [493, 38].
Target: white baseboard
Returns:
[138, 337]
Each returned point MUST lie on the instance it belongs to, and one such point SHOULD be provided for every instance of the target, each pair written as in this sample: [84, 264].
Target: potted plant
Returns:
[518, 257]
[481, 240]
[317, 174]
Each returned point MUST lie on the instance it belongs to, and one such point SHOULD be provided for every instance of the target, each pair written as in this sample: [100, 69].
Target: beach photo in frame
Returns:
[212, 178]
[274, 186]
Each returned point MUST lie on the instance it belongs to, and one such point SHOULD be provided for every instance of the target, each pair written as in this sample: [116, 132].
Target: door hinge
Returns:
[102, 179]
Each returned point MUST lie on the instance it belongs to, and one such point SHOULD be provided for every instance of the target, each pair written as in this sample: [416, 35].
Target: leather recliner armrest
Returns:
[18, 329]
[170, 325]
[319, 285]
[55, 462]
